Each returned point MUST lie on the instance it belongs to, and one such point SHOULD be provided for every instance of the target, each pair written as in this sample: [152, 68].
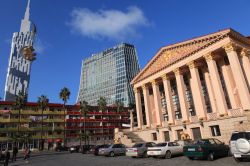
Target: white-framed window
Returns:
[215, 130]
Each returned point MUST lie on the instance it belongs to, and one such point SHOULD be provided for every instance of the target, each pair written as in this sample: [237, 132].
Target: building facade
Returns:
[98, 125]
[48, 128]
[195, 89]
[108, 74]
[18, 74]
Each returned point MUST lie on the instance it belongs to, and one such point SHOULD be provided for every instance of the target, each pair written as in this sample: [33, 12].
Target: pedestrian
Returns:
[26, 154]
[7, 157]
[15, 151]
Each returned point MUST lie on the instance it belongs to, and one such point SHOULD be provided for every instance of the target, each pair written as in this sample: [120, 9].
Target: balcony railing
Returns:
[235, 112]
[13, 129]
[53, 120]
[212, 116]
[98, 113]
[97, 120]
[91, 127]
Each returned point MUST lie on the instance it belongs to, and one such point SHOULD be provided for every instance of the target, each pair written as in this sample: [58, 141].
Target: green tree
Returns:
[84, 109]
[64, 95]
[42, 102]
[102, 104]
[20, 102]
[119, 106]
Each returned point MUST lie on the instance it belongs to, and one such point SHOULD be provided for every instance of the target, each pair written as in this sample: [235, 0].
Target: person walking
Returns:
[15, 151]
[7, 157]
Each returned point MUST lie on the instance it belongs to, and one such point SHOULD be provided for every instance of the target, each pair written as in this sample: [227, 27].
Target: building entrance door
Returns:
[196, 133]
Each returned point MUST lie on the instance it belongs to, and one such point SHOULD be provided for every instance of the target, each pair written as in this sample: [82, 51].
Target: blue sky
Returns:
[71, 30]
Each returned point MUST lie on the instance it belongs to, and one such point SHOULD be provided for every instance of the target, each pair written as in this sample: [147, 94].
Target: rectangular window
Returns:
[215, 130]
[154, 136]
[166, 135]
[178, 132]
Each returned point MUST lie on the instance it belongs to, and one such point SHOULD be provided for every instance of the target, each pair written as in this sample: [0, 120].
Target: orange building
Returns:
[199, 87]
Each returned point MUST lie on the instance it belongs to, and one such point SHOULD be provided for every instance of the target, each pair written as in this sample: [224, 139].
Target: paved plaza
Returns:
[77, 159]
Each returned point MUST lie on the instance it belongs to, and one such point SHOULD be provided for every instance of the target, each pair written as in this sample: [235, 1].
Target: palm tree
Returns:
[119, 106]
[84, 109]
[64, 95]
[20, 102]
[102, 104]
[43, 104]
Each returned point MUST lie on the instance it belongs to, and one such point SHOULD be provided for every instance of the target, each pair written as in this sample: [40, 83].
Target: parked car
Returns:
[61, 148]
[165, 150]
[240, 145]
[185, 142]
[113, 150]
[73, 149]
[86, 148]
[206, 149]
[95, 149]
[139, 149]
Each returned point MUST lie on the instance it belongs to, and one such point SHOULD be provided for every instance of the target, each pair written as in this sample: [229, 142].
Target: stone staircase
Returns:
[127, 138]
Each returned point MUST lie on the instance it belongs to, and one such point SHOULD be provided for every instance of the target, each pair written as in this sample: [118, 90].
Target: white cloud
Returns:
[112, 24]
[40, 46]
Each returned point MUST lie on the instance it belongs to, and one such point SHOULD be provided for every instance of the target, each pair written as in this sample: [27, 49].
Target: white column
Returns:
[157, 102]
[198, 98]
[210, 90]
[246, 63]
[229, 84]
[181, 88]
[238, 75]
[169, 99]
[147, 105]
[216, 83]
[138, 108]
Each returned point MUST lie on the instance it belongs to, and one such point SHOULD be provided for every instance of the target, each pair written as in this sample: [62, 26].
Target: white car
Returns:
[165, 150]
[240, 145]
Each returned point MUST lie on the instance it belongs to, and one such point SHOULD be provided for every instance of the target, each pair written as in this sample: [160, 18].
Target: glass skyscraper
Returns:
[18, 76]
[108, 74]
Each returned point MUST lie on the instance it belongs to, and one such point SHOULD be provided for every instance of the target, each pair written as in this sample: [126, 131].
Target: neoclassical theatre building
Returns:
[198, 88]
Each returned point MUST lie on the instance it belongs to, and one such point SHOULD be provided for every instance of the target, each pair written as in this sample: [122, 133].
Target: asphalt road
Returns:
[77, 159]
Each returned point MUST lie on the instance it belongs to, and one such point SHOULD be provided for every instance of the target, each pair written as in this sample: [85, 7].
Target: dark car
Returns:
[61, 148]
[206, 149]
[74, 149]
[86, 148]
[94, 150]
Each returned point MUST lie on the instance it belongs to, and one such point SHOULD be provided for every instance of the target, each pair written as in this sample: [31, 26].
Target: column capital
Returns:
[245, 52]
[144, 86]
[164, 77]
[135, 90]
[191, 65]
[230, 47]
[209, 56]
[177, 71]
[153, 82]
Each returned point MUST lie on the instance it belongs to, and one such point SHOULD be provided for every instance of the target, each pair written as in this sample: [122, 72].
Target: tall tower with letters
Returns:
[21, 57]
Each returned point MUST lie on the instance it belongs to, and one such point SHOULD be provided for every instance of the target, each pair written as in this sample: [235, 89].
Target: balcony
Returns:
[212, 116]
[235, 112]
[53, 120]
[54, 136]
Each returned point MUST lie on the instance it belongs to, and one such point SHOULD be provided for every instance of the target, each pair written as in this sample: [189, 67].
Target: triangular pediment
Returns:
[171, 54]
